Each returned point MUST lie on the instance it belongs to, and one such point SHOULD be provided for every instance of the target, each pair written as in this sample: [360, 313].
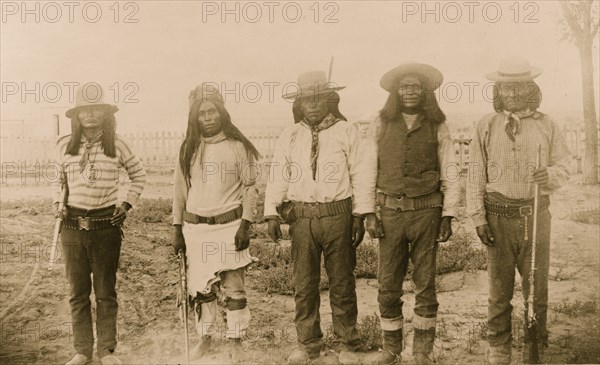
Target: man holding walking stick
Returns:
[500, 199]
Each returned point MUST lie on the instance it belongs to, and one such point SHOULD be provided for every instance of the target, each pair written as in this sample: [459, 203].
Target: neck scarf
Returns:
[327, 122]
[87, 145]
[219, 137]
[512, 122]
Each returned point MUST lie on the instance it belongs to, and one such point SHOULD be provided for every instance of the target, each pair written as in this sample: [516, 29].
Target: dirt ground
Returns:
[35, 319]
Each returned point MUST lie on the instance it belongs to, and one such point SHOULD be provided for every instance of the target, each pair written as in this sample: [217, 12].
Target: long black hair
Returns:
[332, 99]
[193, 135]
[529, 91]
[108, 135]
[429, 106]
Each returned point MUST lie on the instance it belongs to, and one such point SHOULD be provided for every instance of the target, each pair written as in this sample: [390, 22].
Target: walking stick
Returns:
[64, 193]
[532, 325]
[183, 297]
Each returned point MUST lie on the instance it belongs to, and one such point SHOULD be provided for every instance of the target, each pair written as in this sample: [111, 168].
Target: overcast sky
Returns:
[175, 45]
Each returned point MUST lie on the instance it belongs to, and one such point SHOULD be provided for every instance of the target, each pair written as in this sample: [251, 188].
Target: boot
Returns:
[392, 348]
[235, 350]
[499, 355]
[79, 359]
[298, 357]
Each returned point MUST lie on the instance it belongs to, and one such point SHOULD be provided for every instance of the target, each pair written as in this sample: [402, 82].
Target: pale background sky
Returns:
[171, 49]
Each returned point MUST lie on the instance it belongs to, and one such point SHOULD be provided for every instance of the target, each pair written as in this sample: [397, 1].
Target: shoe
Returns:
[110, 360]
[79, 359]
[235, 350]
[422, 359]
[201, 348]
[498, 355]
[384, 357]
[298, 357]
[346, 357]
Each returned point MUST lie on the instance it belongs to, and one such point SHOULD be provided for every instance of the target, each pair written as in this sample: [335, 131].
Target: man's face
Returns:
[314, 108]
[91, 117]
[410, 91]
[209, 119]
[517, 96]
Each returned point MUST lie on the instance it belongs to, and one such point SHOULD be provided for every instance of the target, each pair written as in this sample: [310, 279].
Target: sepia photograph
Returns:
[318, 182]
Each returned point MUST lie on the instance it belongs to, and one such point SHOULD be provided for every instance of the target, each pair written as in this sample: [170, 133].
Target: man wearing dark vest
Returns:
[413, 172]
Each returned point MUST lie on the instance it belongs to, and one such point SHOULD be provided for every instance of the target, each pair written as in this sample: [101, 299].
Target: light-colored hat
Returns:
[90, 94]
[205, 92]
[312, 83]
[433, 77]
[514, 69]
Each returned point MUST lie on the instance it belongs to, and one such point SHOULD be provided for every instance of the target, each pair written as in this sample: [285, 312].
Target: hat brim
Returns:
[500, 77]
[311, 92]
[71, 112]
[433, 76]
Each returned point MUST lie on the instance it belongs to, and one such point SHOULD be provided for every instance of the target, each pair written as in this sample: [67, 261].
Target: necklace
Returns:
[89, 168]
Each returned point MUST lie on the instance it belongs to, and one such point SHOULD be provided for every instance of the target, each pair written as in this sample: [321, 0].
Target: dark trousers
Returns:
[94, 253]
[511, 250]
[331, 236]
[420, 229]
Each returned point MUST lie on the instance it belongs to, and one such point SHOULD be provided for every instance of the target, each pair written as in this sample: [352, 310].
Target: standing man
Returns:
[90, 159]
[415, 176]
[316, 168]
[213, 206]
[500, 196]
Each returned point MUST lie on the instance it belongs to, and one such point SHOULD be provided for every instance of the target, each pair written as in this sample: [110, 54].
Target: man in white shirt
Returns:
[316, 167]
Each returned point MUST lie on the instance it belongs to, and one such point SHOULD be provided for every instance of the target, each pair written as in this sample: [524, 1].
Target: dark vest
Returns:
[408, 160]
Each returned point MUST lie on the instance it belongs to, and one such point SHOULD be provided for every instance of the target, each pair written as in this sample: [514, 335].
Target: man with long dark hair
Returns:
[316, 168]
[213, 206]
[415, 178]
[500, 194]
[90, 159]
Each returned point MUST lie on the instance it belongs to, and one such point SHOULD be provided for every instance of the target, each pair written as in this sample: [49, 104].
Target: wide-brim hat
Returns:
[514, 69]
[432, 76]
[205, 92]
[311, 84]
[90, 94]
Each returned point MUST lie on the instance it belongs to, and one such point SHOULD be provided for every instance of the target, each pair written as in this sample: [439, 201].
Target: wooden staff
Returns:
[532, 325]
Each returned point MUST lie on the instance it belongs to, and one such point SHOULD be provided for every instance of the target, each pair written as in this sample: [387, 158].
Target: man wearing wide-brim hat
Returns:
[411, 157]
[90, 159]
[316, 169]
[500, 197]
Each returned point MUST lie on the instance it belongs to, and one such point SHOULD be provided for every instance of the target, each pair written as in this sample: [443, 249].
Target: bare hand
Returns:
[119, 215]
[445, 229]
[374, 226]
[274, 230]
[58, 213]
[485, 235]
[540, 176]
[178, 240]
[358, 231]
[242, 236]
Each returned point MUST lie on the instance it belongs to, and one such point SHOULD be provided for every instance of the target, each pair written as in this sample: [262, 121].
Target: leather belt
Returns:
[520, 208]
[80, 219]
[405, 203]
[318, 210]
[226, 217]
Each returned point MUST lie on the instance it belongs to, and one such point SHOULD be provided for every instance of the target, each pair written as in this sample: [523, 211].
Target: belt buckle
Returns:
[84, 223]
[525, 210]
[315, 210]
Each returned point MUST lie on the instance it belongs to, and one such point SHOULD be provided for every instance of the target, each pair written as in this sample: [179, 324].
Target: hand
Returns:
[120, 214]
[242, 236]
[540, 176]
[358, 231]
[485, 235]
[274, 229]
[374, 226]
[445, 229]
[178, 240]
[58, 213]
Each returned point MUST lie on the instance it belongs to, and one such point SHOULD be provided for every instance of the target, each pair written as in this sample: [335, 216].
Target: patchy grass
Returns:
[369, 331]
[29, 206]
[152, 211]
[587, 216]
[576, 308]
[461, 252]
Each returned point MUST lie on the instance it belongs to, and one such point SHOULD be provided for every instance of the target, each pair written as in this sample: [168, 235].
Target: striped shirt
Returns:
[97, 185]
[497, 164]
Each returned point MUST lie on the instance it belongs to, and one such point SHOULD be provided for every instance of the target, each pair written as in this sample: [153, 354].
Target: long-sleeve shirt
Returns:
[449, 167]
[497, 164]
[222, 181]
[339, 169]
[98, 188]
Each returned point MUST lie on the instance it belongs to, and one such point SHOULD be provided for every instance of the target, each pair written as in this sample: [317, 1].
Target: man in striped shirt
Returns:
[90, 159]
[500, 193]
